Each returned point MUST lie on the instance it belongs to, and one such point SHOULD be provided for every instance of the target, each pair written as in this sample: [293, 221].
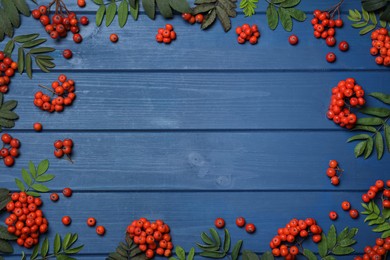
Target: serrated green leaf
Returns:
[373, 18]
[364, 128]
[6, 123]
[5, 23]
[33, 193]
[32, 169]
[385, 234]
[383, 23]
[4, 193]
[272, 17]
[26, 37]
[12, 12]
[73, 239]
[35, 252]
[134, 10]
[100, 15]
[369, 147]
[206, 239]
[45, 247]
[43, 166]
[226, 242]
[45, 63]
[8, 115]
[267, 256]
[367, 29]
[309, 254]
[354, 19]
[40, 187]
[4, 234]
[123, 13]
[74, 250]
[21, 64]
[331, 239]
[379, 145]
[64, 257]
[236, 250]
[165, 8]
[9, 105]
[44, 57]
[33, 43]
[215, 236]
[41, 66]
[150, 8]
[22, 6]
[213, 254]
[380, 112]
[66, 240]
[347, 242]
[297, 14]
[382, 227]
[358, 137]
[387, 136]
[359, 148]
[41, 50]
[28, 62]
[370, 121]
[26, 177]
[110, 13]
[285, 19]
[20, 184]
[4, 202]
[343, 234]
[57, 244]
[353, 14]
[376, 208]
[248, 255]
[209, 19]
[338, 250]
[180, 6]
[223, 18]
[98, 2]
[45, 178]
[9, 47]
[203, 8]
[181, 254]
[365, 14]
[381, 97]
[328, 257]
[191, 254]
[290, 3]
[323, 246]
[377, 221]
[359, 24]
[6, 247]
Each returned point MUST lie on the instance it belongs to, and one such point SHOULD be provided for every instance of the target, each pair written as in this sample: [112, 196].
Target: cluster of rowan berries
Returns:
[247, 33]
[281, 244]
[381, 46]
[240, 222]
[7, 70]
[63, 147]
[192, 19]
[377, 252]
[64, 89]
[151, 237]
[60, 22]
[334, 172]
[346, 94]
[375, 190]
[25, 221]
[166, 35]
[10, 149]
[346, 206]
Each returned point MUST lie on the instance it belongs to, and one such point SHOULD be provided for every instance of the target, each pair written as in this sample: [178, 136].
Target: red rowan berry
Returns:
[250, 228]
[100, 230]
[114, 37]
[219, 222]
[91, 222]
[67, 192]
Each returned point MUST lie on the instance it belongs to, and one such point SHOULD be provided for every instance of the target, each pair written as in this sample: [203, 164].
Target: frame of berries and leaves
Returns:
[334, 244]
[10, 11]
[39, 54]
[127, 250]
[366, 21]
[62, 248]
[377, 217]
[376, 124]
[110, 9]
[34, 179]
[7, 116]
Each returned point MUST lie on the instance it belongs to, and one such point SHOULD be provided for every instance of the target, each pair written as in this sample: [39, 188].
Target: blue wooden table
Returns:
[198, 129]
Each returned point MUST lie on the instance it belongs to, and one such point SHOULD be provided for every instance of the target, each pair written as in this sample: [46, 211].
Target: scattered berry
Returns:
[84, 20]
[354, 213]
[67, 54]
[54, 197]
[330, 57]
[250, 228]
[91, 222]
[345, 205]
[67, 192]
[100, 230]
[219, 222]
[114, 37]
[240, 221]
[66, 220]
[343, 46]
[37, 127]
[293, 39]
[247, 33]
[81, 3]
[333, 215]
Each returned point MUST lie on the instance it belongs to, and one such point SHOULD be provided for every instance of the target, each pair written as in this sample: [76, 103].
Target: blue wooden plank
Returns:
[178, 100]
[266, 160]
[189, 214]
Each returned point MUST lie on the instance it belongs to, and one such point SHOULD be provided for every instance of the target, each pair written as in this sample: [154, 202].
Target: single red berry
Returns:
[84, 20]
[6, 138]
[91, 222]
[345, 205]
[15, 143]
[81, 3]
[330, 57]
[54, 197]
[343, 46]
[240, 221]
[333, 215]
[365, 198]
[380, 184]
[330, 41]
[293, 39]
[114, 37]
[219, 222]
[67, 54]
[354, 213]
[77, 38]
[9, 161]
[333, 163]
[66, 220]
[100, 230]
[67, 192]
[335, 180]
[58, 144]
[37, 127]
[199, 18]
[330, 172]
[250, 228]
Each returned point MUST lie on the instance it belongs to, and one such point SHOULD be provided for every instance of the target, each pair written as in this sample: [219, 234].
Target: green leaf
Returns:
[180, 253]
[57, 244]
[12, 12]
[377, 221]
[100, 15]
[365, 14]
[74, 250]
[64, 257]
[359, 148]
[248, 255]
[223, 18]
[45, 178]
[4, 193]
[41, 50]
[367, 29]
[385, 234]
[370, 121]
[66, 240]
[200, 2]
[285, 19]
[359, 24]
[347, 242]
[9, 47]
[206, 239]
[323, 246]
[364, 128]
[379, 145]
[8, 115]
[150, 8]
[290, 3]
[43, 166]
[272, 17]
[373, 5]
[343, 234]
[226, 242]
[385, 16]
[213, 254]
[382, 227]
[45, 247]
[369, 147]
[358, 137]
[6, 123]
[35, 252]
[267, 256]
[134, 10]
[215, 236]
[123, 13]
[98, 2]
[26, 177]
[9, 105]
[28, 62]
[297, 14]
[6, 247]
[338, 250]
[375, 208]
[203, 8]
[165, 8]
[181, 6]
[40, 187]
[72, 240]
[373, 18]
[386, 213]
[20, 184]
[309, 254]
[4, 202]
[236, 250]
[26, 37]
[381, 112]
[354, 14]
[387, 136]
[209, 19]
[4, 234]
[191, 254]
[33, 43]
[381, 97]
[22, 6]
[33, 193]
[21, 64]
[110, 13]
[331, 239]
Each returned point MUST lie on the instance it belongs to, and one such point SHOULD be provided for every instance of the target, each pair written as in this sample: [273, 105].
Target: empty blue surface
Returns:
[199, 129]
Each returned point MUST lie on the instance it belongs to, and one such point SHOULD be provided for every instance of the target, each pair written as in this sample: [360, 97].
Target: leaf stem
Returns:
[381, 127]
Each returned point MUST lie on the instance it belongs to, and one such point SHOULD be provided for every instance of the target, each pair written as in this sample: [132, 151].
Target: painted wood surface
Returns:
[199, 129]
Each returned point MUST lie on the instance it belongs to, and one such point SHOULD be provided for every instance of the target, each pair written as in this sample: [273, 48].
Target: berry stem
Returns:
[335, 8]
[69, 158]
[42, 86]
